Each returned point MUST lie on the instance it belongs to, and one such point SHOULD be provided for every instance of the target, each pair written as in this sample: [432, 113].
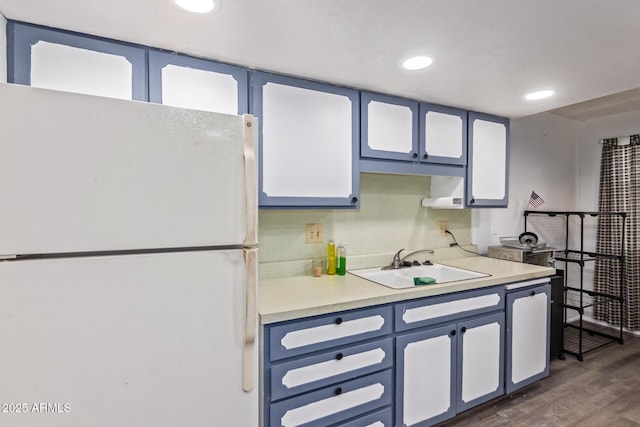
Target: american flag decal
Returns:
[535, 200]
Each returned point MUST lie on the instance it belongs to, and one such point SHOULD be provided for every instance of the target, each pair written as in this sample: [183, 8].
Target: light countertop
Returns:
[302, 296]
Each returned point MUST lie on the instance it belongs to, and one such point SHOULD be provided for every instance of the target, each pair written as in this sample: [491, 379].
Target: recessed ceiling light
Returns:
[417, 62]
[198, 6]
[541, 94]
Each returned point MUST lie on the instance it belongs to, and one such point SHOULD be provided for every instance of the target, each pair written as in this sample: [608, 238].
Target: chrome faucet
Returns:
[400, 262]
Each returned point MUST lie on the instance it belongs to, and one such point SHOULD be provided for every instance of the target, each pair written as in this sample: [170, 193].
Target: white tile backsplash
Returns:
[390, 218]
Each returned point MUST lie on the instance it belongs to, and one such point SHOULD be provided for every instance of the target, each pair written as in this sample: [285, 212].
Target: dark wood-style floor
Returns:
[601, 391]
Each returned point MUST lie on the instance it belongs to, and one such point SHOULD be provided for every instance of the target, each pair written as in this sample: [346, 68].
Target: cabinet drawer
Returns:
[335, 403]
[382, 418]
[444, 308]
[300, 337]
[313, 372]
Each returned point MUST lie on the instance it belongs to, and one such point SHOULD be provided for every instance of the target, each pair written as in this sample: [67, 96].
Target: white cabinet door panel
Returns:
[389, 127]
[528, 314]
[72, 69]
[199, 89]
[332, 405]
[308, 148]
[60, 60]
[482, 359]
[307, 374]
[306, 143]
[528, 319]
[334, 330]
[338, 402]
[488, 169]
[489, 149]
[394, 133]
[427, 386]
[318, 334]
[443, 135]
[447, 308]
[298, 375]
[461, 305]
[425, 376]
[200, 84]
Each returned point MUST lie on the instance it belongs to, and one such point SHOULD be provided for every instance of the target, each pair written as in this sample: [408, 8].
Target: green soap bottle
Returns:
[341, 259]
[331, 257]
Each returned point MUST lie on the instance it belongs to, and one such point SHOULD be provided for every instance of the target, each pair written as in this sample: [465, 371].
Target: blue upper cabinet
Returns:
[404, 136]
[311, 150]
[488, 169]
[309, 134]
[389, 127]
[183, 81]
[61, 60]
[443, 135]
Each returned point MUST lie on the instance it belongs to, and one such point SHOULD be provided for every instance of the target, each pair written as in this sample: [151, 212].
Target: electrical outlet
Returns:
[443, 226]
[313, 233]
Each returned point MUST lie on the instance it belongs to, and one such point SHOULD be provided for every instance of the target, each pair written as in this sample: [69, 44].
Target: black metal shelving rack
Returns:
[577, 298]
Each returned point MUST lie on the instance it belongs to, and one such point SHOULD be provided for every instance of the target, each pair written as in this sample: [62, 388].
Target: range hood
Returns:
[443, 202]
[447, 192]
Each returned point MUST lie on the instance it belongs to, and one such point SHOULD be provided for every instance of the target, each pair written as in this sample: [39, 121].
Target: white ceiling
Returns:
[488, 53]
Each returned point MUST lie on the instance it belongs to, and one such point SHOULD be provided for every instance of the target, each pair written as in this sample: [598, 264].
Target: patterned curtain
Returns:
[619, 192]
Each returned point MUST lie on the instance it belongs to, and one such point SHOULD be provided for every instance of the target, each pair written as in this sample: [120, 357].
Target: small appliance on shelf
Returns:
[525, 248]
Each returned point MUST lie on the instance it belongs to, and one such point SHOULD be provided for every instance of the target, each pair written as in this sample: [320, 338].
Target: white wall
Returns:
[3, 49]
[542, 158]
[589, 150]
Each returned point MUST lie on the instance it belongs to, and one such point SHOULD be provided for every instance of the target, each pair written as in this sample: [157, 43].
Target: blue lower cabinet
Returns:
[480, 361]
[528, 331]
[448, 369]
[426, 376]
[335, 403]
[447, 308]
[344, 363]
[383, 418]
[410, 363]
[300, 337]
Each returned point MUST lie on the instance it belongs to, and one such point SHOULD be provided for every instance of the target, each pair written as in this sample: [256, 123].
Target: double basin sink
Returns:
[422, 275]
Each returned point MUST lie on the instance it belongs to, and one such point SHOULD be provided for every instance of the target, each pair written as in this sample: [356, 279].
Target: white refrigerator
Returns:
[128, 240]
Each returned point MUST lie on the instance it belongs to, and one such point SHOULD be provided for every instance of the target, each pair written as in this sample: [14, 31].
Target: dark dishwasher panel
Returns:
[557, 333]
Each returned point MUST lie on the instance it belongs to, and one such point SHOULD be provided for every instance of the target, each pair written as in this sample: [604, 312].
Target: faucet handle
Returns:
[396, 260]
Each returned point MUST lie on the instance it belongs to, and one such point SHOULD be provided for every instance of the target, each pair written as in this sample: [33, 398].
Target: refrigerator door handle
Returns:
[250, 317]
[250, 137]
